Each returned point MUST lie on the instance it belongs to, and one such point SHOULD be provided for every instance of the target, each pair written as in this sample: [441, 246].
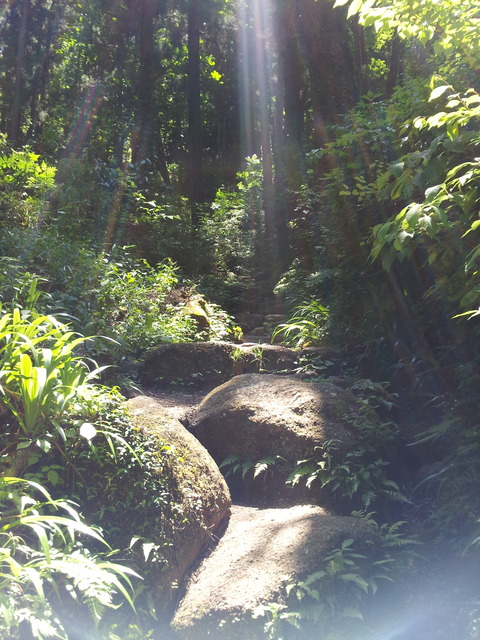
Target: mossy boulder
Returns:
[209, 364]
[254, 417]
[187, 364]
[197, 490]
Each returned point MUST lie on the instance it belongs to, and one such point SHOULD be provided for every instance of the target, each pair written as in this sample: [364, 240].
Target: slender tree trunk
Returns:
[16, 120]
[147, 143]
[264, 78]
[360, 56]
[395, 65]
[331, 67]
[39, 91]
[293, 83]
[195, 166]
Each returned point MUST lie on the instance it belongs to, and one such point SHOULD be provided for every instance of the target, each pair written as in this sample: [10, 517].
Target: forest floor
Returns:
[180, 403]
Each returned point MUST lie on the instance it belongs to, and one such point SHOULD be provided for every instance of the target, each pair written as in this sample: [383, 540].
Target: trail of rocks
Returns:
[234, 410]
[238, 559]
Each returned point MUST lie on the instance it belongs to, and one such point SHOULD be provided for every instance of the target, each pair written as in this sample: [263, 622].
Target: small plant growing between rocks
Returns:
[349, 477]
[329, 601]
[252, 355]
[236, 464]
[335, 603]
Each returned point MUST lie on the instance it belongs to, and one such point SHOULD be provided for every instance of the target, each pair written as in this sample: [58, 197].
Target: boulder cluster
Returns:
[230, 559]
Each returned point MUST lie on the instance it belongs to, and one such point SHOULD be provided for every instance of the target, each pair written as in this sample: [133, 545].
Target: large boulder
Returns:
[248, 567]
[197, 486]
[187, 364]
[256, 417]
[208, 364]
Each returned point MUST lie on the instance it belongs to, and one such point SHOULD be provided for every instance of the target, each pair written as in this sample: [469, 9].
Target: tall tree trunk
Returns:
[147, 143]
[16, 120]
[360, 55]
[292, 66]
[264, 45]
[39, 90]
[289, 126]
[395, 65]
[195, 166]
[330, 65]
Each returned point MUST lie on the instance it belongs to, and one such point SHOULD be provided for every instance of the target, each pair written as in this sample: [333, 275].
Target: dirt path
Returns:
[180, 403]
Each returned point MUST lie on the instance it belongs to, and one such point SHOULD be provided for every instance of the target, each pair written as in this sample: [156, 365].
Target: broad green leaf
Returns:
[354, 8]
[439, 91]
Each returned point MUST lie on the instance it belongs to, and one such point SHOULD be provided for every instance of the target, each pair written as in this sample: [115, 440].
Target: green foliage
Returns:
[137, 466]
[236, 464]
[132, 305]
[448, 26]
[140, 306]
[124, 299]
[233, 233]
[227, 232]
[350, 477]
[25, 182]
[63, 431]
[330, 602]
[40, 377]
[447, 488]
[357, 476]
[308, 326]
[445, 221]
[298, 284]
[337, 213]
[49, 580]
[18, 288]
[145, 507]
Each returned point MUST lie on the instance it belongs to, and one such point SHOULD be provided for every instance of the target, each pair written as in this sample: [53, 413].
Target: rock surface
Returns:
[249, 565]
[187, 364]
[207, 364]
[195, 481]
[253, 417]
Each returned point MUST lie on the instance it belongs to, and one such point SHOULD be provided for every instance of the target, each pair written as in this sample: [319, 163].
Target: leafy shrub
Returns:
[334, 602]
[447, 492]
[307, 326]
[60, 430]
[136, 465]
[40, 377]
[117, 296]
[232, 234]
[298, 284]
[358, 477]
[227, 234]
[350, 476]
[140, 306]
[25, 183]
[144, 509]
[49, 581]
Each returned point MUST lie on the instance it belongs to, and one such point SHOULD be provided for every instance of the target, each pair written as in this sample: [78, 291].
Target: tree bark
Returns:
[292, 66]
[39, 90]
[195, 160]
[395, 65]
[330, 64]
[16, 120]
[147, 143]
